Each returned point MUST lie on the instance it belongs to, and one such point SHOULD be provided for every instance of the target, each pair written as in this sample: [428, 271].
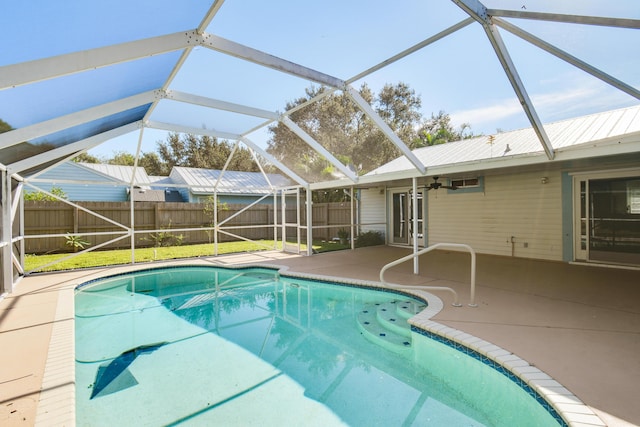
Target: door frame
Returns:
[405, 198]
[581, 200]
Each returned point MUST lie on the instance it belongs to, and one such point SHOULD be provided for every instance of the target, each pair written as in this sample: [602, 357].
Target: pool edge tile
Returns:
[56, 405]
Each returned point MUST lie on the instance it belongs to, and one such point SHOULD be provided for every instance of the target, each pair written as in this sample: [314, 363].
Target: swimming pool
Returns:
[208, 345]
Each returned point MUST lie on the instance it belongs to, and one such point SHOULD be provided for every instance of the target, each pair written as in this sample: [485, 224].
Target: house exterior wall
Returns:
[81, 192]
[514, 215]
[373, 211]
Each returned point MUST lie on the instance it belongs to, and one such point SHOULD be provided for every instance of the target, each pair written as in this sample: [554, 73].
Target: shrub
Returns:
[39, 196]
[370, 238]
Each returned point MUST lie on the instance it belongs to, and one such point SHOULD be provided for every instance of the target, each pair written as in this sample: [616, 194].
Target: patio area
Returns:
[580, 324]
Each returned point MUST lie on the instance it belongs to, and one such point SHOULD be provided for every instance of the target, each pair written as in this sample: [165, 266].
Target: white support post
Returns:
[298, 217]
[414, 225]
[275, 220]
[215, 222]
[5, 232]
[309, 207]
[132, 212]
[352, 228]
[283, 208]
[21, 213]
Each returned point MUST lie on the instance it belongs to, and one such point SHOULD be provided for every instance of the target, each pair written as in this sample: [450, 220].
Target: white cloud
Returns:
[584, 96]
[491, 113]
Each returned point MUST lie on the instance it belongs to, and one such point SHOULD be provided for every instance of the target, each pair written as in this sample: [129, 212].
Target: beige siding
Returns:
[373, 210]
[517, 205]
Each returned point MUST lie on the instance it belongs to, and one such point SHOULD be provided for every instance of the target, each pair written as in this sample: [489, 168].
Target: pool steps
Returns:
[386, 323]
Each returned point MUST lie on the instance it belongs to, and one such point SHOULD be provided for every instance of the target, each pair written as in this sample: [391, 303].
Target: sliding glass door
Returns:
[608, 219]
[402, 218]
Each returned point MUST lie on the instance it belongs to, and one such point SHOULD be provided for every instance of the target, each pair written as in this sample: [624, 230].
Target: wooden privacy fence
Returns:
[53, 218]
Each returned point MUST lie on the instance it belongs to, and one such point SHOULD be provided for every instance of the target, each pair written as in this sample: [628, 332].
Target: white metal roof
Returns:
[121, 173]
[566, 134]
[203, 181]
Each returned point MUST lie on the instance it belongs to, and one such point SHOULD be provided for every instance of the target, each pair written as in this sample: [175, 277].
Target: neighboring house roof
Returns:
[160, 181]
[583, 133]
[203, 181]
[122, 173]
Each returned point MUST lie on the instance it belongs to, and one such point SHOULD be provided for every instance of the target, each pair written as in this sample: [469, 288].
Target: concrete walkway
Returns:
[579, 324]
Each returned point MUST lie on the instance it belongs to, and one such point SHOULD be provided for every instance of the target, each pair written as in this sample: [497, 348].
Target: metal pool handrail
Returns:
[437, 288]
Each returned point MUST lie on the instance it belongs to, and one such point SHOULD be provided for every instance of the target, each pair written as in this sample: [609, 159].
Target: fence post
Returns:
[156, 217]
[76, 228]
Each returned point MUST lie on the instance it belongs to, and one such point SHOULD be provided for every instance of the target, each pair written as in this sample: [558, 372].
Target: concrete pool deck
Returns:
[579, 324]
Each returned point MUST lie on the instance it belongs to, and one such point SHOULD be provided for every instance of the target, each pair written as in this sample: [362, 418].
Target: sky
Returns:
[459, 74]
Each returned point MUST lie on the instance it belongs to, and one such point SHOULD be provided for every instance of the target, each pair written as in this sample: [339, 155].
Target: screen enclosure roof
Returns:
[76, 76]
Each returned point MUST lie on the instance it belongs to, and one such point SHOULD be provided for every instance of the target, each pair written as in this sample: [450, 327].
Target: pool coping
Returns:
[571, 410]
[57, 399]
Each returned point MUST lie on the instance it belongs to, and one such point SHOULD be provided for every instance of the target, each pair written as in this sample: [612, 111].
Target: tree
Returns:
[122, 158]
[439, 130]
[203, 152]
[4, 126]
[341, 127]
[153, 165]
[86, 158]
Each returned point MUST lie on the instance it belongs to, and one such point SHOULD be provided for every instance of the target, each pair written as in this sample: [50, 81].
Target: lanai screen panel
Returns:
[36, 102]
[43, 144]
[45, 29]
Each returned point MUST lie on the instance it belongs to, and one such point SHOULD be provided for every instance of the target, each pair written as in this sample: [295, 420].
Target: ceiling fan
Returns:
[436, 184]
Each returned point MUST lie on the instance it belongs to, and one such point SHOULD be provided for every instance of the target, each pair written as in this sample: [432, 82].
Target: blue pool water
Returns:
[214, 346]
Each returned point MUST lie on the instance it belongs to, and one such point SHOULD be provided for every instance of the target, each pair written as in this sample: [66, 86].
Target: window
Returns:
[465, 182]
[467, 185]
[633, 197]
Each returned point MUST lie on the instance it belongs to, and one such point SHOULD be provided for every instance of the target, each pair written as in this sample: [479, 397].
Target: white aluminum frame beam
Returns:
[172, 127]
[318, 148]
[220, 105]
[208, 17]
[478, 11]
[71, 63]
[384, 127]
[224, 135]
[71, 149]
[442, 34]
[570, 19]
[268, 157]
[226, 165]
[264, 174]
[238, 50]
[597, 73]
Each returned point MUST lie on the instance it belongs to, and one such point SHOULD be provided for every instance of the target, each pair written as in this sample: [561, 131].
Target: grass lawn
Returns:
[123, 256]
